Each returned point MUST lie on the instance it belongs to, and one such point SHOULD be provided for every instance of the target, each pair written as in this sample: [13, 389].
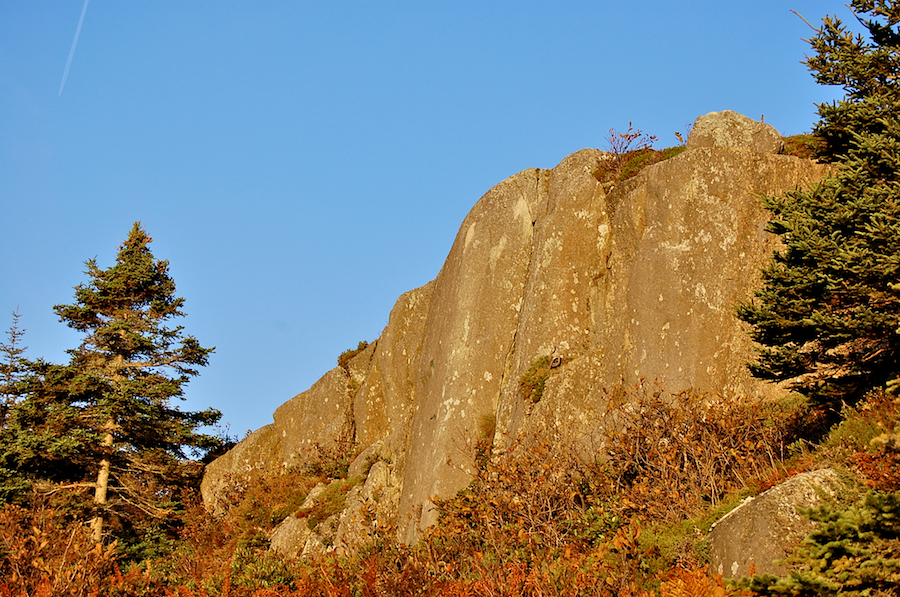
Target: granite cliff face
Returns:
[617, 282]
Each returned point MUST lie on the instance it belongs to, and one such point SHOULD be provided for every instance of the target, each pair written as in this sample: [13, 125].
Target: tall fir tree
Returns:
[12, 371]
[106, 419]
[11, 367]
[828, 315]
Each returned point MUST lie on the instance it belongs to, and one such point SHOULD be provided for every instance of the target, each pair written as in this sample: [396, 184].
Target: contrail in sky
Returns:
[72, 51]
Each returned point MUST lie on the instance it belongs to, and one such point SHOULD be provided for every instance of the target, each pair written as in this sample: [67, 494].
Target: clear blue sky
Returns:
[302, 164]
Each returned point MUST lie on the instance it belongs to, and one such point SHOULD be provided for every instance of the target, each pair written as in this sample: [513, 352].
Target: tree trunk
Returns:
[102, 486]
[101, 489]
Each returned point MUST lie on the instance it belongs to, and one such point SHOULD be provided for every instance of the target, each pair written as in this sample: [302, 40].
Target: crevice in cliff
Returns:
[501, 422]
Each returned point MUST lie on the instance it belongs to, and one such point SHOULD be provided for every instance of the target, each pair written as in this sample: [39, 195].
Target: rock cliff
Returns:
[616, 282]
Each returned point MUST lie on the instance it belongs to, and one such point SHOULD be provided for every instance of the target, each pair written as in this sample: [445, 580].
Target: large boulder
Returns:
[293, 537]
[730, 129]
[615, 282]
[764, 530]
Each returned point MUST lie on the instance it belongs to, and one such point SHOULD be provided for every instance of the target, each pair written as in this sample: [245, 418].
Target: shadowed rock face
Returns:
[635, 281]
[760, 533]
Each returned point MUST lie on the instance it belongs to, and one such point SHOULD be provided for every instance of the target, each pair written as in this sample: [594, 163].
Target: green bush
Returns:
[802, 146]
[855, 551]
[347, 355]
[531, 386]
[330, 501]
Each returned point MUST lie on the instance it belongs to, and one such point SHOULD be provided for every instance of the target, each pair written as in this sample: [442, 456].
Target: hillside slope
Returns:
[610, 281]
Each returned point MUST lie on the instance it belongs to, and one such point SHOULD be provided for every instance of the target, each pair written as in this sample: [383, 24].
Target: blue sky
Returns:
[302, 164]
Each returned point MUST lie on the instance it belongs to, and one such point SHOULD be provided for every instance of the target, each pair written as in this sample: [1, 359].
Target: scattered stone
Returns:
[290, 537]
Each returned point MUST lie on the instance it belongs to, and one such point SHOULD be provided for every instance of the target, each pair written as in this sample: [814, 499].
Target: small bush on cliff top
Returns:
[347, 355]
[802, 146]
[629, 153]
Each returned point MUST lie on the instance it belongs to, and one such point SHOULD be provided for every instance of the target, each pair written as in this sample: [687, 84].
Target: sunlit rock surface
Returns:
[618, 282]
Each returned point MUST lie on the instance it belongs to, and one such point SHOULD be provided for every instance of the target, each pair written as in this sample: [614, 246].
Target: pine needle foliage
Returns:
[828, 315]
[852, 552]
[105, 421]
[11, 367]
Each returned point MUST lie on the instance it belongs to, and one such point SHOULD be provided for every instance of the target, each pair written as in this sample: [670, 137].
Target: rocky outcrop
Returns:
[316, 417]
[617, 282]
[766, 529]
[730, 129]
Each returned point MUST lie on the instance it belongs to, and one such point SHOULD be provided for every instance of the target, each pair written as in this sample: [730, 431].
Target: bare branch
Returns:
[804, 20]
[59, 488]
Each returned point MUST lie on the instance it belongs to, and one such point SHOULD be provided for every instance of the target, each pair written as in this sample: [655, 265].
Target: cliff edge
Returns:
[611, 282]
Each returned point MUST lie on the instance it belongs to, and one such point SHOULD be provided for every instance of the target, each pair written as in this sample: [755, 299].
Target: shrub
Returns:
[330, 501]
[44, 552]
[331, 461]
[629, 153]
[531, 386]
[347, 355]
[803, 146]
[675, 454]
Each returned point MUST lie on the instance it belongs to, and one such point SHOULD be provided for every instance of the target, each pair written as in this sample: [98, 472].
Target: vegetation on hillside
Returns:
[540, 518]
[543, 515]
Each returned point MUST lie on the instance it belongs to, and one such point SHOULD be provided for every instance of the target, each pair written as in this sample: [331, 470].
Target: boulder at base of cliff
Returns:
[768, 528]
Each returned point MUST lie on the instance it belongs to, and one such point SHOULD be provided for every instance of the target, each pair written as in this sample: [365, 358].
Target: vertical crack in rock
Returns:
[508, 360]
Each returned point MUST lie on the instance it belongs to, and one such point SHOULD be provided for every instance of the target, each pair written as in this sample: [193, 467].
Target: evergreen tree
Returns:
[852, 552]
[12, 370]
[105, 420]
[828, 315]
[11, 367]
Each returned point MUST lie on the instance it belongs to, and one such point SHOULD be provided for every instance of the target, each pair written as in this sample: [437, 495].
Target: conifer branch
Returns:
[804, 20]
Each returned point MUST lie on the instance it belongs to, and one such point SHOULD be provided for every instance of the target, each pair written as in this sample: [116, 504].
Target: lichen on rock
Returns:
[763, 531]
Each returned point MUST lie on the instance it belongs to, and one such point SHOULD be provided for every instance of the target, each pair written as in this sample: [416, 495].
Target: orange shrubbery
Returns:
[696, 581]
[571, 523]
[671, 456]
[540, 518]
[45, 552]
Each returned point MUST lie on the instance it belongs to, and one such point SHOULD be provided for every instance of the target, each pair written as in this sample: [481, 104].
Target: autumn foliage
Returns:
[626, 517]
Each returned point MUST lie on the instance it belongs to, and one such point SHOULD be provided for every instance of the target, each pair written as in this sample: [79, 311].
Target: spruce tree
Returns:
[852, 552]
[11, 367]
[828, 315]
[12, 371]
[106, 420]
